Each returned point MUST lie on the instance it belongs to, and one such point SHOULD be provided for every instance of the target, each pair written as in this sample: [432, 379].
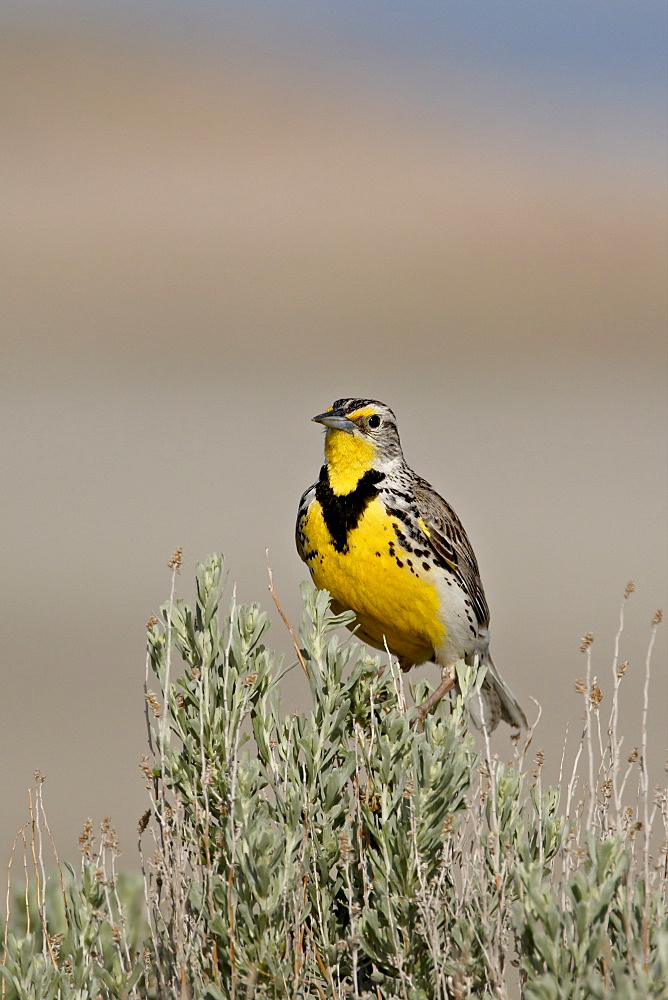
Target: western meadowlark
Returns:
[385, 545]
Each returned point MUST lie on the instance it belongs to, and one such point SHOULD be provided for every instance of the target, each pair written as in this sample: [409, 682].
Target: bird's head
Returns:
[361, 435]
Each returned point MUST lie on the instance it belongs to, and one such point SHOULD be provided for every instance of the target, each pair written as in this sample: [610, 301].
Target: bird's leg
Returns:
[447, 684]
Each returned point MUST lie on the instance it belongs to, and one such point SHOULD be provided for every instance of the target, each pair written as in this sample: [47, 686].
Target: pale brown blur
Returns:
[199, 254]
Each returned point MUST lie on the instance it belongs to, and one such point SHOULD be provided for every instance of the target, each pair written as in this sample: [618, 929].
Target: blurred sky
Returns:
[217, 218]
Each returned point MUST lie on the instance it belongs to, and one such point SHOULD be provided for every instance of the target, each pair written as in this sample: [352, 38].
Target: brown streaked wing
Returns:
[449, 541]
[301, 512]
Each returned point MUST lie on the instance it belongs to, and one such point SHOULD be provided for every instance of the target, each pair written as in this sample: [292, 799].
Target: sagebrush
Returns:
[340, 853]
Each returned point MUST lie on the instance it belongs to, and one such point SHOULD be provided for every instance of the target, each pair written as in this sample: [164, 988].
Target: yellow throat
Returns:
[348, 456]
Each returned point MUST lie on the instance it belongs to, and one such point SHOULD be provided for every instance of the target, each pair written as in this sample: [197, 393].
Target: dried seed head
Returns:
[151, 622]
[586, 642]
[56, 943]
[87, 840]
[345, 847]
[596, 696]
[143, 821]
[177, 559]
[250, 679]
[622, 668]
[152, 700]
[109, 835]
[630, 587]
[658, 618]
[633, 756]
[580, 686]
[195, 673]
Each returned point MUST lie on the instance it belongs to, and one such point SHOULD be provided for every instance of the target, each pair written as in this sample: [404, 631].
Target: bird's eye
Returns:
[374, 420]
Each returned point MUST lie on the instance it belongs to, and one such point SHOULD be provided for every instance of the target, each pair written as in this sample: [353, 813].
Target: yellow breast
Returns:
[393, 595]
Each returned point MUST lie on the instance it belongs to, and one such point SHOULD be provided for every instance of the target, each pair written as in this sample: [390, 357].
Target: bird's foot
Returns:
[447, 684]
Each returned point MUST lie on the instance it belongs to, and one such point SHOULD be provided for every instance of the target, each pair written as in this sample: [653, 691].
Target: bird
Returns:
[388, 547]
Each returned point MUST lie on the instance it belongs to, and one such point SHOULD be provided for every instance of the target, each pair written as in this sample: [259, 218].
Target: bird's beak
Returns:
[336, 420]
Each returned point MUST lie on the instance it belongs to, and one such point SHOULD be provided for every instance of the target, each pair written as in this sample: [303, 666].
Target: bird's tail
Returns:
[495, 701]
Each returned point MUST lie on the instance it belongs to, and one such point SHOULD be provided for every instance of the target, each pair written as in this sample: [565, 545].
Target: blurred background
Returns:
[219, 217]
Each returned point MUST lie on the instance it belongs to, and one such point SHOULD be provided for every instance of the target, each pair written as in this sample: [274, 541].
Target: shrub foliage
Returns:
[340, 853]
